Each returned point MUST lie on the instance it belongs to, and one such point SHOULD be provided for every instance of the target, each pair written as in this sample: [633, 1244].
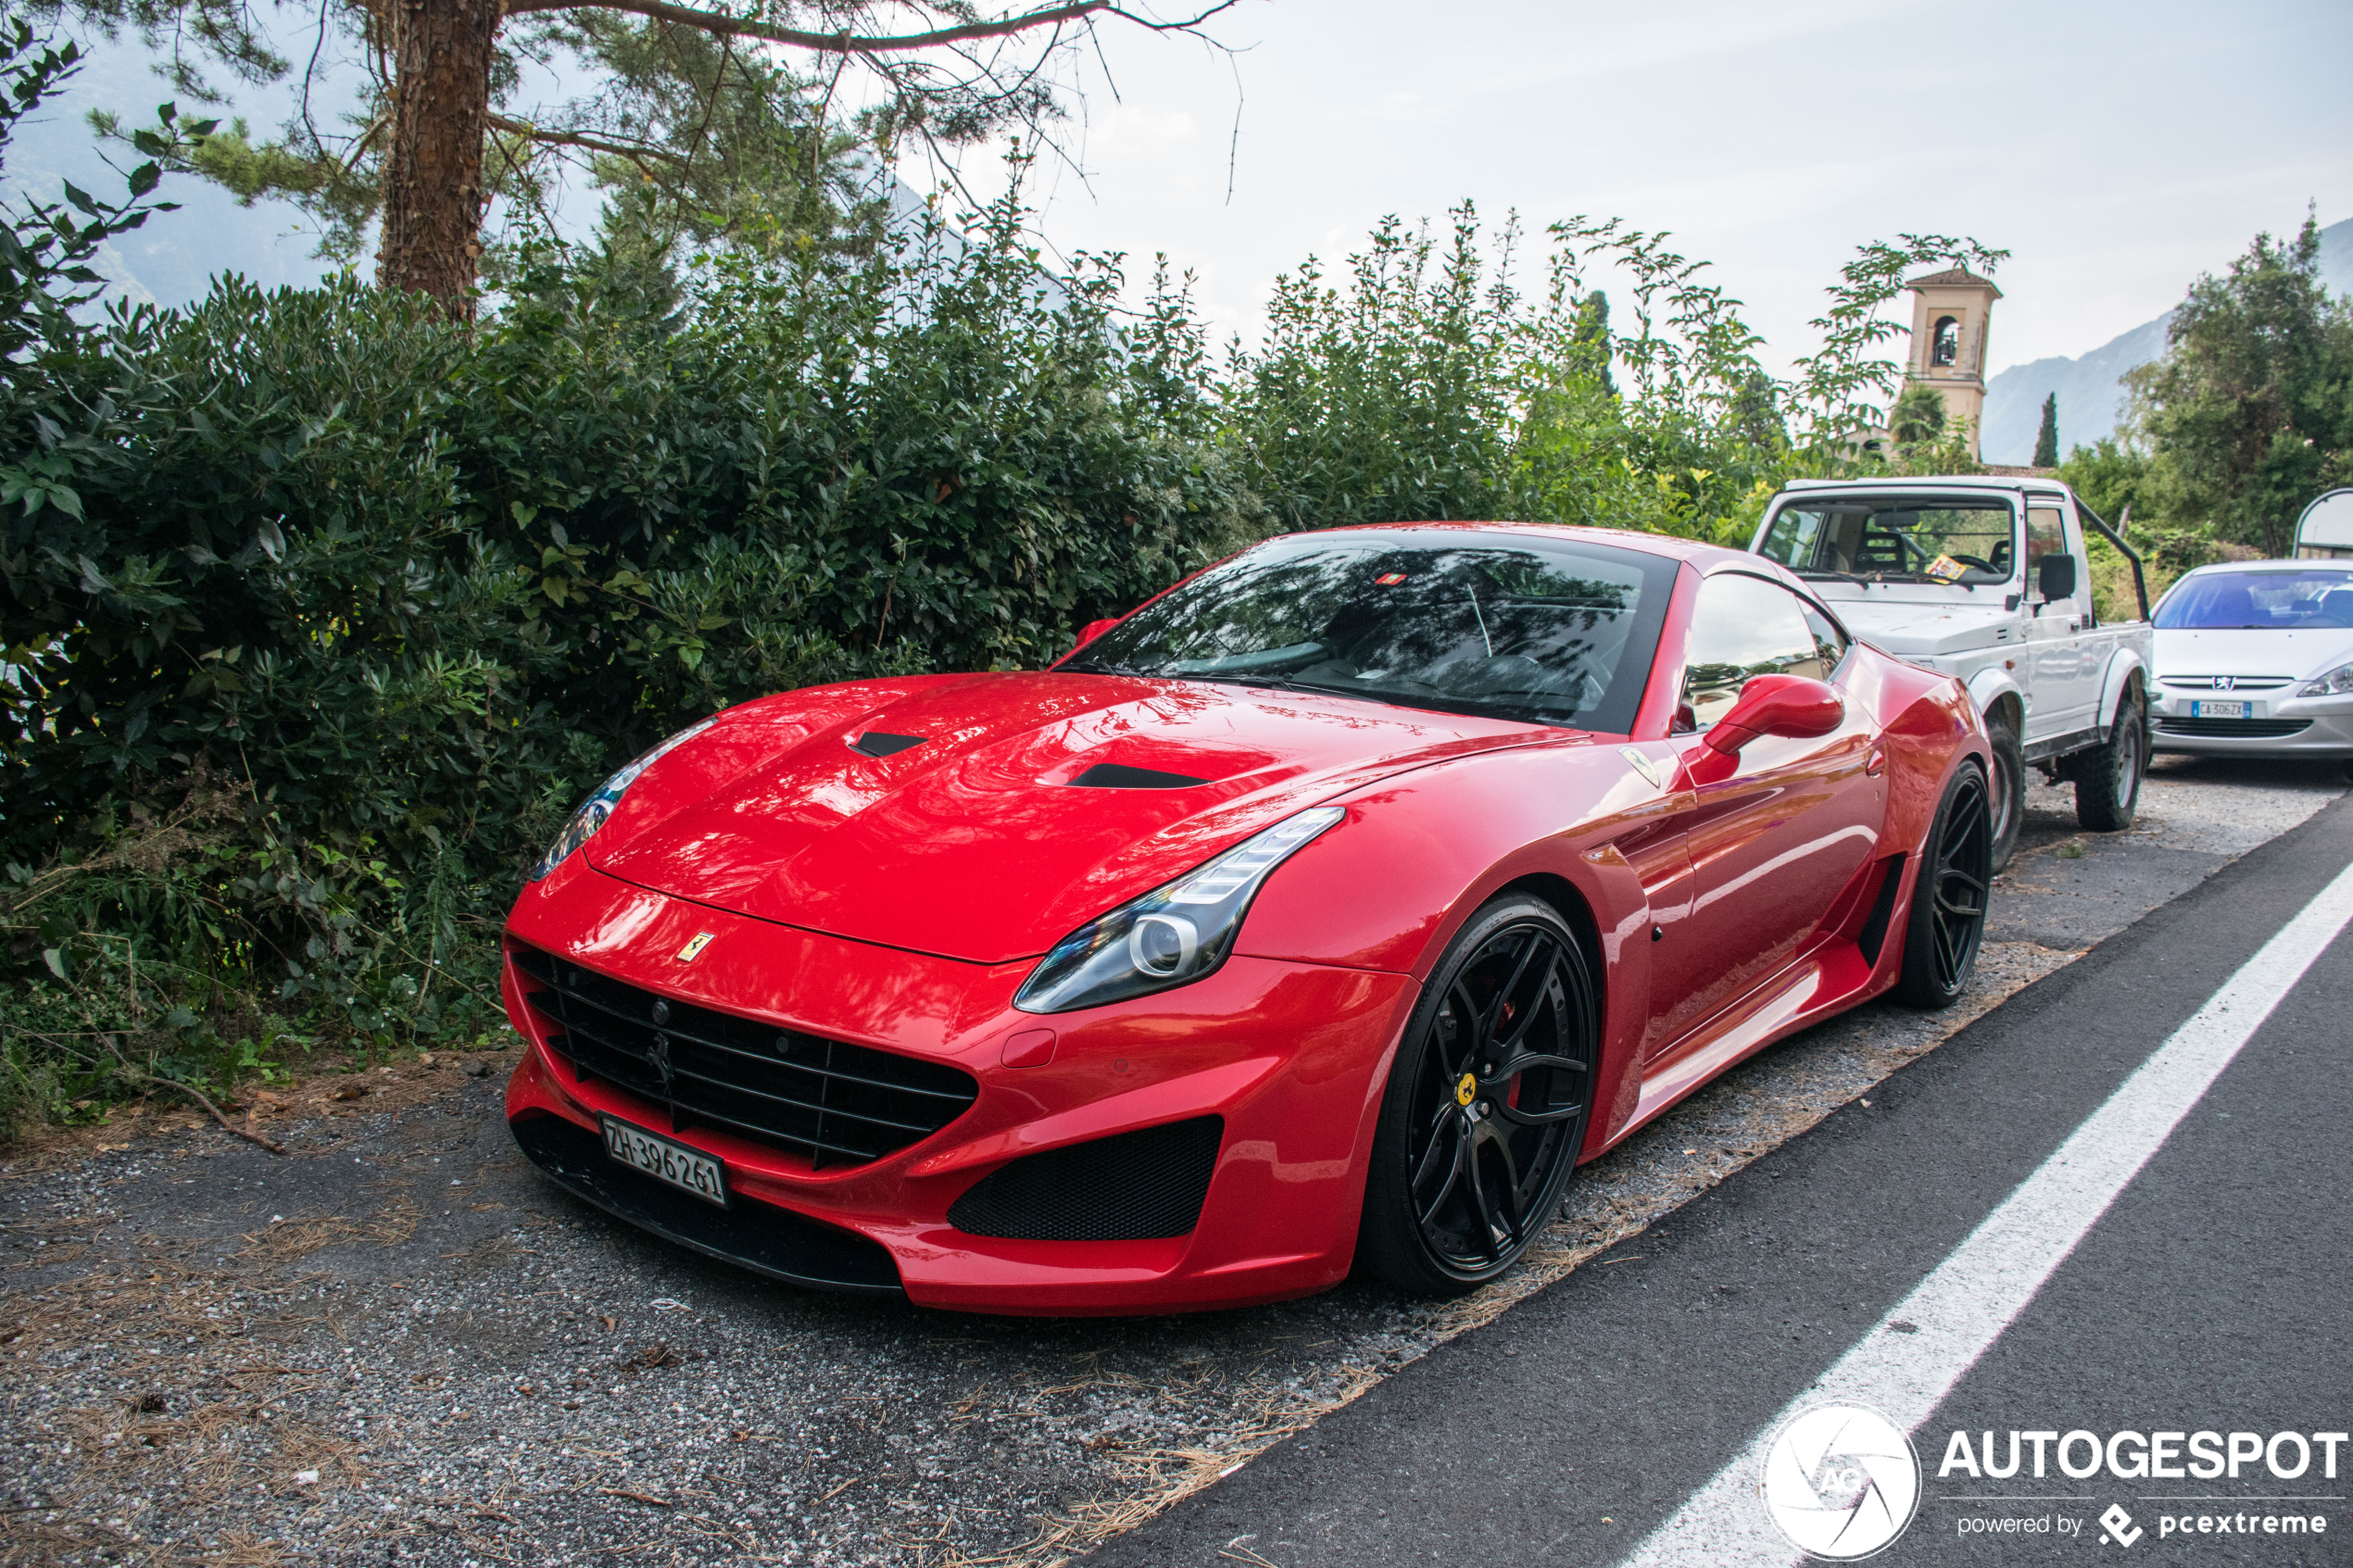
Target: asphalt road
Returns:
[2212, 1294]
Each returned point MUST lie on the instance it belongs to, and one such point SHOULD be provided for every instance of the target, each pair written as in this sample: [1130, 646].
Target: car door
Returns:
[2066, 688]
[1777, 834]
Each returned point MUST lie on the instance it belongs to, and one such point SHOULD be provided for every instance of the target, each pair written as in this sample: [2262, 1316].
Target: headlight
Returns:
[1172, 935]
[2337, 683]
[599, 806]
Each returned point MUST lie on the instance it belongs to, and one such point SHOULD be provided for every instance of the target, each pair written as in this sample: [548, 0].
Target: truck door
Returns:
[2066, 688]
[1774, 843]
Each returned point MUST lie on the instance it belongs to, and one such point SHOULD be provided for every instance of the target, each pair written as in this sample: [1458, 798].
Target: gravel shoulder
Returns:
[396, 1345]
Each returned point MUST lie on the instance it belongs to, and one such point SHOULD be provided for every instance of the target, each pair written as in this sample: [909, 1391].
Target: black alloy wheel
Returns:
[1946, 923]
[1486, 1104]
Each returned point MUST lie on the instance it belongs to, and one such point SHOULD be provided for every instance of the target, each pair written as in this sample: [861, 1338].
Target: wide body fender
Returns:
[1422, 852]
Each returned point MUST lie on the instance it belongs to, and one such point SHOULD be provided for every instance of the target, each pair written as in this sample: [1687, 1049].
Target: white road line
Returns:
[1965, 1304]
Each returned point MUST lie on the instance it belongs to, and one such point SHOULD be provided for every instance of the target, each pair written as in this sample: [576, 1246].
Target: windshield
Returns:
[1515, 627]
[2266, 600]
[1895, 539]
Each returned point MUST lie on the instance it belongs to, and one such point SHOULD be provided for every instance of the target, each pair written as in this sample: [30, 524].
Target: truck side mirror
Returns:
[2055, 577]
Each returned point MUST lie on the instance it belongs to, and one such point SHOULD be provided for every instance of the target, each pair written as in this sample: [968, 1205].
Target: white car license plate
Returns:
[687, 1170]
[2205, 710]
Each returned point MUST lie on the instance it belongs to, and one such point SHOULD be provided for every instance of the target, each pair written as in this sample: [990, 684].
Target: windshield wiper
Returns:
[1095, 667]
[1469, 706]
[1811, 572]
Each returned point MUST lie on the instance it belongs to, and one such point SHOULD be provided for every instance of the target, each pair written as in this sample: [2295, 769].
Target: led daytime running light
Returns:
[1171, 936]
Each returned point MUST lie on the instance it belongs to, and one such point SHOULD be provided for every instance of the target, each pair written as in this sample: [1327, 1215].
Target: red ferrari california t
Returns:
[1325, 913]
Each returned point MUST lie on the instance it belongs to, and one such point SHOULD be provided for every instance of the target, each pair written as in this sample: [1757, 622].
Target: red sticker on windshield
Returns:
[1389, 579]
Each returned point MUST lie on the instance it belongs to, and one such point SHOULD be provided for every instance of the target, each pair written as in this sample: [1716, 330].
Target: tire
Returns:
[1945, 925]
[1486, 1104]
[2108, 778]
[2009, 782]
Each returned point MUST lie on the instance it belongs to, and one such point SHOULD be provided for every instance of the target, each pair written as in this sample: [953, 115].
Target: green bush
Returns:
[345, 607]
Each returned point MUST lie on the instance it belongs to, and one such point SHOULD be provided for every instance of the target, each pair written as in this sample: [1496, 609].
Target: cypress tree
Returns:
[2046, 439]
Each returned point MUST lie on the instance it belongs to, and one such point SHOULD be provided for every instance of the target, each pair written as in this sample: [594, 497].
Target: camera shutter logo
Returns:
[1840, 1480]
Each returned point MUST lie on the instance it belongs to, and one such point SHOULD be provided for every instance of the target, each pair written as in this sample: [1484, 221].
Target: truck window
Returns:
[1896, 539]
[2046, 535]
[1742, 626]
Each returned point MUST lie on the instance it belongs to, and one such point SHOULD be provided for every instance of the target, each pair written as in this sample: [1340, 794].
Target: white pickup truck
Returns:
[1982, 578]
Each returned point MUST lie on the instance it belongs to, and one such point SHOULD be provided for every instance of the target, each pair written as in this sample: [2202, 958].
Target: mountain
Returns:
[2090, 401]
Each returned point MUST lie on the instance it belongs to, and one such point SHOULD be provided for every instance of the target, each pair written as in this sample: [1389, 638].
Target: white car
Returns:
[2256, 659]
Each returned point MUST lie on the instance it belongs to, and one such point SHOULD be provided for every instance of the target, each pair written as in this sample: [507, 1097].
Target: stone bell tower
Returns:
[1950, 310]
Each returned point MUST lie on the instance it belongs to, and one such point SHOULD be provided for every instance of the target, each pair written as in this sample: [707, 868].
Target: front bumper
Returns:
[1290, 1056]
[2321, 726]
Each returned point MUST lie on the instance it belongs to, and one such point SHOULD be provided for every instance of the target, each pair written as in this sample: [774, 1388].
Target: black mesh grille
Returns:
[2245, 729]
[839, 1104]
[1132, 1186]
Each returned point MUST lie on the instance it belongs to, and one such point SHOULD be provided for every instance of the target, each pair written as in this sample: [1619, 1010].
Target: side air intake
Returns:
[1131, 1187]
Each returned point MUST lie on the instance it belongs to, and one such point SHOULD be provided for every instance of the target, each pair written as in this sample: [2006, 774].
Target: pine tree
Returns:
[2046, 439]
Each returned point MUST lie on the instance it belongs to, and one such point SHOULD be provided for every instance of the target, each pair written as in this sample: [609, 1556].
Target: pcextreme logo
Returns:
[1840, 1480]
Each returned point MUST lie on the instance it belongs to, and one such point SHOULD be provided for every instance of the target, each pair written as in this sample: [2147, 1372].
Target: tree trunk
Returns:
[433, 199]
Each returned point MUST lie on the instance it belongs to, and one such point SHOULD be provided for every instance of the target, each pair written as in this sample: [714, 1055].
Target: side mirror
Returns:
[1793, 706]
[1089, 632]
[2055, 577]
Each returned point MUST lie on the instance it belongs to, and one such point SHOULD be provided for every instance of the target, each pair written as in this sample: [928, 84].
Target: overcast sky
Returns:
[2116, 149]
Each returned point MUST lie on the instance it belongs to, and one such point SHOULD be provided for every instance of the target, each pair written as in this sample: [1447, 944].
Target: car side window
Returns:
[1744, 626]
[2046, 535]
[1828, 638]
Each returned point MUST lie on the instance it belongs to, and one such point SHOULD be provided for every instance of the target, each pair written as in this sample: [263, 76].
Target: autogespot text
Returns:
[2146, 1456]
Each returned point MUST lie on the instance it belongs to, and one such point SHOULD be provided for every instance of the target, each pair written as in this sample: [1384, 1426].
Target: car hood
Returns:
[990, 839]
[1953, 623]
[2297, 655]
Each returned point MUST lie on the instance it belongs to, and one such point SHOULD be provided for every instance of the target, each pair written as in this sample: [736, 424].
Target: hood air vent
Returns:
[874, 743]
[1118, 775]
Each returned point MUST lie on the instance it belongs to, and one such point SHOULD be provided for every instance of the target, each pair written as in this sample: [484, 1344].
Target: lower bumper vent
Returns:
[2233, 729]
[1131, 1187]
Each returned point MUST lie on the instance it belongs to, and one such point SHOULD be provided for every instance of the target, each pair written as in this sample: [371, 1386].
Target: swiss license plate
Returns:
[2204, 710]
[686, 1169]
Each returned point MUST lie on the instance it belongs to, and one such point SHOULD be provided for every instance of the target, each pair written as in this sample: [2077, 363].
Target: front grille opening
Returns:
[2241, 729]
[1131, 1187]
[837, 1103]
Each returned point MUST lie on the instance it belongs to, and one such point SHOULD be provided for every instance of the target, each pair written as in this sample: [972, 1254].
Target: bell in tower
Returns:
[1950, 310]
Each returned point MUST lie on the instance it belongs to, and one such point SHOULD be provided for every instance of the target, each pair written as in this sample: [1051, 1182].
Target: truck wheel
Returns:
[2108, 778]
[1946, 924]
[2008, 785]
